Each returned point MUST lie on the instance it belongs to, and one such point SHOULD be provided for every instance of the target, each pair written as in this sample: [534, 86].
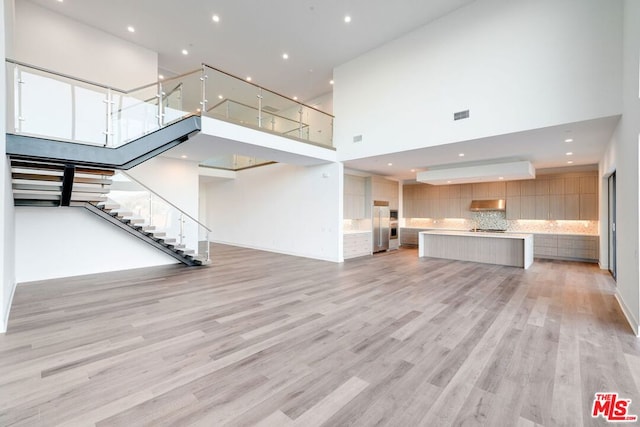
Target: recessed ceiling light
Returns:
[347, 19]
[501, 177]
[60, 1]
[330, 82]
[389, 164]
[131, 29]
[220, 96]
[215, 18]
[413, 170]
[461, 155]
[185, 52]
[448, 182]
[160, 77]
[569, 153]
[568, 140]
[570, 161]
[248, 78]
[295, 98]
[184, 156]
[285, 56]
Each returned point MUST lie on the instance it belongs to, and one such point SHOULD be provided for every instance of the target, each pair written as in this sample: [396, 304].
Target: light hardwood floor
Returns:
[273, 340]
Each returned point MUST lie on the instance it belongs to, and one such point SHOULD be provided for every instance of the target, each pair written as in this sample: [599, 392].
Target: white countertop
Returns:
[559, 233]
[356, 231]
[479, 234]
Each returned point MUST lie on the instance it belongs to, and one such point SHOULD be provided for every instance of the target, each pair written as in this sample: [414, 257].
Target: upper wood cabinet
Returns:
[497, 190]
[481, 190]
[528, 187]
[354, 206]
[556, 186]
[513, 188]
[542, 187]
[551, 197]
[385, 190]
[588, 185]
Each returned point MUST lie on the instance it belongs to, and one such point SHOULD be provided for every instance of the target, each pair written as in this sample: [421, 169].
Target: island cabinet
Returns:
[566, 246]
[492, 248]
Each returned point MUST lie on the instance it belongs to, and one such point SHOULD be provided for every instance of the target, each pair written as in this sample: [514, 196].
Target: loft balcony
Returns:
[45, 108]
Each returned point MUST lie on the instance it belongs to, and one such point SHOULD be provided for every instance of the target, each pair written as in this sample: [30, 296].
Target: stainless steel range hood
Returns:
[488, 205]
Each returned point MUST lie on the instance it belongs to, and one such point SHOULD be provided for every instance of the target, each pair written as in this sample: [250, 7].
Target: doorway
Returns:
[612, 224]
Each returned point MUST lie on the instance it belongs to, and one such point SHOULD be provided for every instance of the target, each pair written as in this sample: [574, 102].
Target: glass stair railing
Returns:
[140, 208]
[51, 105]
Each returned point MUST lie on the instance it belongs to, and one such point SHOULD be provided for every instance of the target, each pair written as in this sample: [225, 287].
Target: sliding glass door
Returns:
[612, 224]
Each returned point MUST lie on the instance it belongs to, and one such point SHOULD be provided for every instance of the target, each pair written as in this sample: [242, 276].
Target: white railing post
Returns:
[108, 134]
[259, 107]
[160, 97]
[203, 95]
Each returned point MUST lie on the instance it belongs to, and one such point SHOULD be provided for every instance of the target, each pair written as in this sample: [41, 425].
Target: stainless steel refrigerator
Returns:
[381, 217]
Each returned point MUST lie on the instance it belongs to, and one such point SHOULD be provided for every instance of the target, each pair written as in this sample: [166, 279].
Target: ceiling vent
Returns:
[461, 115]
[357, 138]
[478, 173]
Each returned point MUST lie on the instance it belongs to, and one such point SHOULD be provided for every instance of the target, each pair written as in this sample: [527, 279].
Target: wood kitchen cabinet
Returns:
[513, 207]
[385, 190]
[528, 207]
[354, 203]
[480, 190]
[513, 189]
[552, 197]
[588, 207]
[556, 207]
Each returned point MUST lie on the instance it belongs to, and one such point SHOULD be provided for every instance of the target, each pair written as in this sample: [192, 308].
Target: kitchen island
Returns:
[491, 248]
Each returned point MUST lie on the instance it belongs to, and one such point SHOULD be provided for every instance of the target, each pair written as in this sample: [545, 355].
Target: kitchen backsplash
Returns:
[356, 224]
[497, 220]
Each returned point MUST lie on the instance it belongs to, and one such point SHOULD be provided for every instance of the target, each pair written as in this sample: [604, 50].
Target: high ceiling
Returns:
[252, 35]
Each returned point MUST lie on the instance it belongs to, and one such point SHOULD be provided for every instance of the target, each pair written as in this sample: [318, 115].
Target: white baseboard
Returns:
[259, 248]
[5, 320]
[627, 313]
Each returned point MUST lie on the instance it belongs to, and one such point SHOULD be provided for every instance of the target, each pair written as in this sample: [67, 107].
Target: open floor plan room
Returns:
[269, 339]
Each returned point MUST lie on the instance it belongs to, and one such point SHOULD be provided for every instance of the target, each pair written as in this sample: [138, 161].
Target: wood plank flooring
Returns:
[274, 340]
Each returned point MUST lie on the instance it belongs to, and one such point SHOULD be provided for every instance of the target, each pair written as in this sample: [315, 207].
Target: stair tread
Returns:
[23, 164]
[36, 177]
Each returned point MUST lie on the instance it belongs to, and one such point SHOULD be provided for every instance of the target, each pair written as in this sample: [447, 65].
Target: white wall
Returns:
[516, 64]
[53, 41]
[176, 181]
[65, 242]
[622, 156]
[280, 208]
[7, 257]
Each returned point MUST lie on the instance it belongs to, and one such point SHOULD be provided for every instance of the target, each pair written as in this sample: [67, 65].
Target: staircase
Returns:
[42, 184]
[56, 184]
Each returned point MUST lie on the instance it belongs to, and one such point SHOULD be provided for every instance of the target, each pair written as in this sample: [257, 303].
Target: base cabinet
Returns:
[570, 247]
[356, 245]
[409, 237]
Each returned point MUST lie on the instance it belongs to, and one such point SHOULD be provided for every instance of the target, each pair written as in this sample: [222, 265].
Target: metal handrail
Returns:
[165, 200]
[254, 108]
[89, 82]
[268, 90]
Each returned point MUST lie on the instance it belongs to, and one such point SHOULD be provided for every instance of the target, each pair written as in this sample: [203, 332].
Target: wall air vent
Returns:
[357, 138]
[461, 115]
